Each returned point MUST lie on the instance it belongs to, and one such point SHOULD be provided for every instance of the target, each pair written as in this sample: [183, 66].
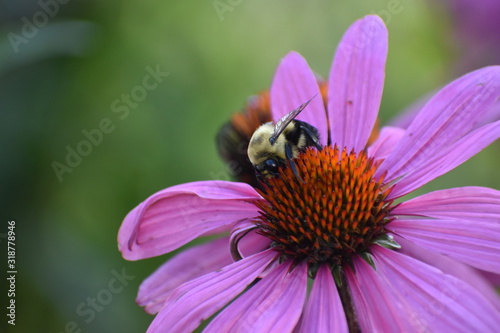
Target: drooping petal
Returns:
[356, 82]
[468, 203]
[476, 243]
[385, 143]
[447, 159]
[294, 84]
[274, 304]
[437, 302]
[175, 216]
[187, 265]
[199, 299]
[464, 272]
[377, 310]
[323, 312]
[447, 117]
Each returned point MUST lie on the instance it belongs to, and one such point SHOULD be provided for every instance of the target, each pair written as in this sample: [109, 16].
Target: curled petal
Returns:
[356, 82]
[175, 216]
[245, 241]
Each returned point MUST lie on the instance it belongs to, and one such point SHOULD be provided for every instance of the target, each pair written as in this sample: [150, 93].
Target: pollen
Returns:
[331, 208]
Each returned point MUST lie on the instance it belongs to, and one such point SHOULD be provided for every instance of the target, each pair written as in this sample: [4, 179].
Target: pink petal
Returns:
[356, 82]
[475, 243]
[464, 272]
[447, 159]
[199, 299]
[467, 203]
[386, 141]
[447, 117]
[175, 216]
[274, 304]
[491, 116]
[405, 117]
[324, 311]
[248, 241]
[294, 84]
[185, 266]
[434, 301]
[492, 278]
[377, 310]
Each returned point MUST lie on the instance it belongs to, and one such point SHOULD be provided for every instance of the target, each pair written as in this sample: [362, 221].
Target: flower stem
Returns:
[345, 297]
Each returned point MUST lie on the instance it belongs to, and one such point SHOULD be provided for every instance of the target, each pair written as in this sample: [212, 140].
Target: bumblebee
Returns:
[272, 145]
[234, 136]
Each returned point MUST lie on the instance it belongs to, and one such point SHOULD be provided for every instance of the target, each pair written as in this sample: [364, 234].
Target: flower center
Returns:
[334, 210]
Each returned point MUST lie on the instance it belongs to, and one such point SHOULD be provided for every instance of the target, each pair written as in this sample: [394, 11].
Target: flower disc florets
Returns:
[333, 209]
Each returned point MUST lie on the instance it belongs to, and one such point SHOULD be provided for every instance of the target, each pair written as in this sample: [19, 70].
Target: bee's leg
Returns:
[312, 137]
[289, 157]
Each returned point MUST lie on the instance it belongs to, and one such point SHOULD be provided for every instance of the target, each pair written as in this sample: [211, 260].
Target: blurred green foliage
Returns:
[66, 77]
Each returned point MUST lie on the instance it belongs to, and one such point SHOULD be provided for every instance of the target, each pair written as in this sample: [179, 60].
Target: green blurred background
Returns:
[66, 76]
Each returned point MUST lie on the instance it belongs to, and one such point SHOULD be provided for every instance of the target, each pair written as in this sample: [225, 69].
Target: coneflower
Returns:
[374, 265]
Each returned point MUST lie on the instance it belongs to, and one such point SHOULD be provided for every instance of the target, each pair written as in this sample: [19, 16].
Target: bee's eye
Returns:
[270, 164]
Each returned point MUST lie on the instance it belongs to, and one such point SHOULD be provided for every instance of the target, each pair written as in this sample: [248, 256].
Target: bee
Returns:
[272, 145]
[234, 136]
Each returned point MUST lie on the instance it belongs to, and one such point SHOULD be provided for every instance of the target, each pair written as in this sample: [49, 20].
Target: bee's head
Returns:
[269, 167]
[266, 156]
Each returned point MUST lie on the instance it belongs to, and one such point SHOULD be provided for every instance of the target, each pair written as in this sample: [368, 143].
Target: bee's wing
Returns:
[280, 126]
